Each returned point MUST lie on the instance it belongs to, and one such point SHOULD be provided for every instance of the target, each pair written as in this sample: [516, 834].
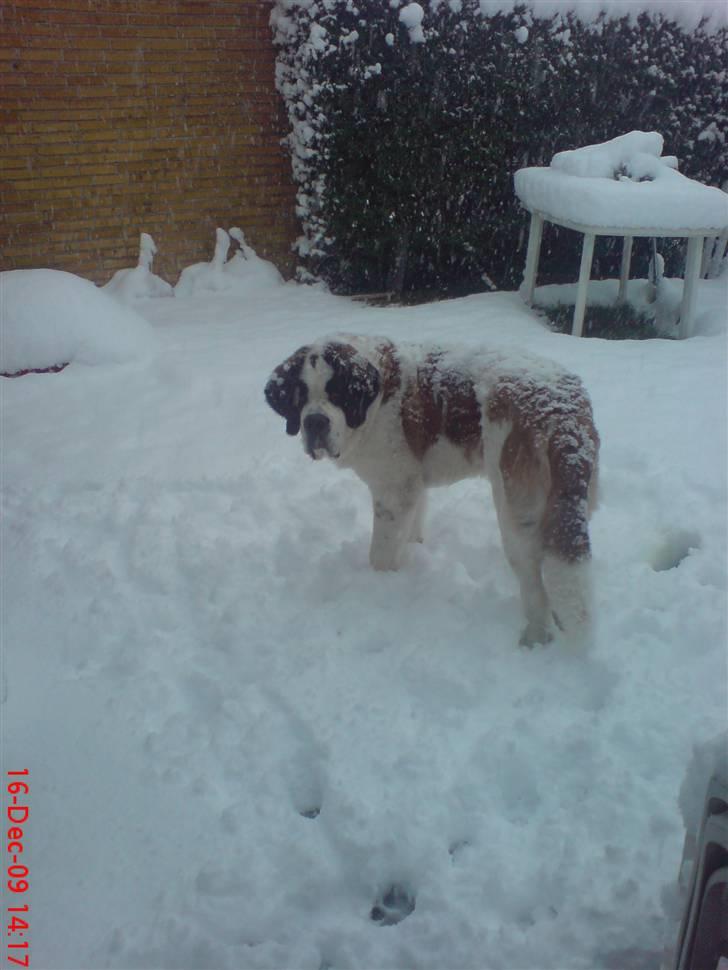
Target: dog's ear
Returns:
[285, 391]
[355, 382]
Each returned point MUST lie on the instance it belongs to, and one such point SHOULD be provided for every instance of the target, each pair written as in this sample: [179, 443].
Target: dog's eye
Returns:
[335, 393]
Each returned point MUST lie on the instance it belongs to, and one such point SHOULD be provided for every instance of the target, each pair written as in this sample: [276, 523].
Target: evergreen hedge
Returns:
[404, 151]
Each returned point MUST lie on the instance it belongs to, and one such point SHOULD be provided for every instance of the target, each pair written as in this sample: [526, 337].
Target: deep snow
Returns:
[241, 739]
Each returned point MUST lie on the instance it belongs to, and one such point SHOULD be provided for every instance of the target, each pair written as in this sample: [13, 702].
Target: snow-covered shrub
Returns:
[248, 271]
[408, 121]
[49, 318]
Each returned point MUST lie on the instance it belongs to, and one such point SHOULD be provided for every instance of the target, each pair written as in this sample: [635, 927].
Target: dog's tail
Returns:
[573, 465]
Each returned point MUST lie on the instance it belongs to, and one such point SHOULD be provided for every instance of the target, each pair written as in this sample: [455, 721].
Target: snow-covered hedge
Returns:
[408, 121]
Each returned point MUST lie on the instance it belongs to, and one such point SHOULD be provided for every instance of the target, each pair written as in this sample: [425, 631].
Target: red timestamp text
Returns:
[17, 873]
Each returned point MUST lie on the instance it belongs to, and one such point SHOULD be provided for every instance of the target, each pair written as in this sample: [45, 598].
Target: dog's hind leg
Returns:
[567, 551]
[522, 546]
[567, 564]
[519, 501]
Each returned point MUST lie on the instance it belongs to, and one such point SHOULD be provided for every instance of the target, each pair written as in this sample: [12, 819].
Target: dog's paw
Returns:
[383, 560]
[382, 565]
[536, 634]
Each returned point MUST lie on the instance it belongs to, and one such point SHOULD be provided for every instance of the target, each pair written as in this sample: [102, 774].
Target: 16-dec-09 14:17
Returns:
[17, 872]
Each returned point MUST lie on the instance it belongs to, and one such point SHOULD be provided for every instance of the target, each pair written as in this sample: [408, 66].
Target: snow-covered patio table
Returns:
[620, 188]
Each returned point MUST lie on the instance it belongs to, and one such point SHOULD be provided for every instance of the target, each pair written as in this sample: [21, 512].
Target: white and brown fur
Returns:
[408, 417]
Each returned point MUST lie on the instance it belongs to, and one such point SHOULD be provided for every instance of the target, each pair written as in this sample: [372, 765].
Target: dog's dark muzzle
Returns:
[316, 428]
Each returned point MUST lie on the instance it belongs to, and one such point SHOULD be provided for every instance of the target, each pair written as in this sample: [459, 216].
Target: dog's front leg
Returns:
[395, 513]
[417, 531]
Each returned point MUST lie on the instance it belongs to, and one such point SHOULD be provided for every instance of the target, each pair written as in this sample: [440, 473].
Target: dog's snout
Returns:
[317, 435]
[316, 426]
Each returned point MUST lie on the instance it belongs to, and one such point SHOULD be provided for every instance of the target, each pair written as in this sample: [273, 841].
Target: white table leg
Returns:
[690, 286]
[587, 252]
[534, 249]
[624, 269]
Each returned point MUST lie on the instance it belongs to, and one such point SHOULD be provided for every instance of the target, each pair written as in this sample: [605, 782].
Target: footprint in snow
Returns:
[304, 767]
[457, 847]
[312, 812]
[395, 905]
[675, 546]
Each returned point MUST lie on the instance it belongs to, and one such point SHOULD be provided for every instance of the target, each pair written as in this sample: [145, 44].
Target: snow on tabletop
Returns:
[608, 158]
[624, 183]
[49, 318]
[245, 745]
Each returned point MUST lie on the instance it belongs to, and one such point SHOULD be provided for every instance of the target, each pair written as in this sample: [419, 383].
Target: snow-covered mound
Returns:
[50, 318]
[623, 183]
[246, 269]
[205, 277]
[139, 282]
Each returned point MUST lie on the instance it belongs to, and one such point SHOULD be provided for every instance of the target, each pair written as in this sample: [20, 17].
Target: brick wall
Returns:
[122, 116]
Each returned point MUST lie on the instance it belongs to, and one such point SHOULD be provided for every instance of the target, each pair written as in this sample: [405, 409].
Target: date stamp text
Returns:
[17, 873]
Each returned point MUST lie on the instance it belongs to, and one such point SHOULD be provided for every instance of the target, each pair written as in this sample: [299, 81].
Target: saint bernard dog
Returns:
[409, 417]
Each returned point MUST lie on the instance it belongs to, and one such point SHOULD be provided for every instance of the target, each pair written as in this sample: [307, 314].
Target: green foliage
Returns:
[404, 152]
[621, 322]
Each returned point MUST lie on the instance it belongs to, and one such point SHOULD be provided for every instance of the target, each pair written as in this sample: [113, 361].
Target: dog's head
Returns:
[325, 391]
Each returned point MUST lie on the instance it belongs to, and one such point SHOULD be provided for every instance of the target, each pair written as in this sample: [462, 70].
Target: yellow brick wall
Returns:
[123, 116]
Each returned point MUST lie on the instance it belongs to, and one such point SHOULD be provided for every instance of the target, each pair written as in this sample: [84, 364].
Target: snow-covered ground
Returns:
[241, 740]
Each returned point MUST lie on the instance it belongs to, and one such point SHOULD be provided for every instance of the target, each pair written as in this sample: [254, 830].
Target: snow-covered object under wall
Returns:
[51, 318]
[203, 277]
[246, 269]
[624, 183]
[139, 282]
